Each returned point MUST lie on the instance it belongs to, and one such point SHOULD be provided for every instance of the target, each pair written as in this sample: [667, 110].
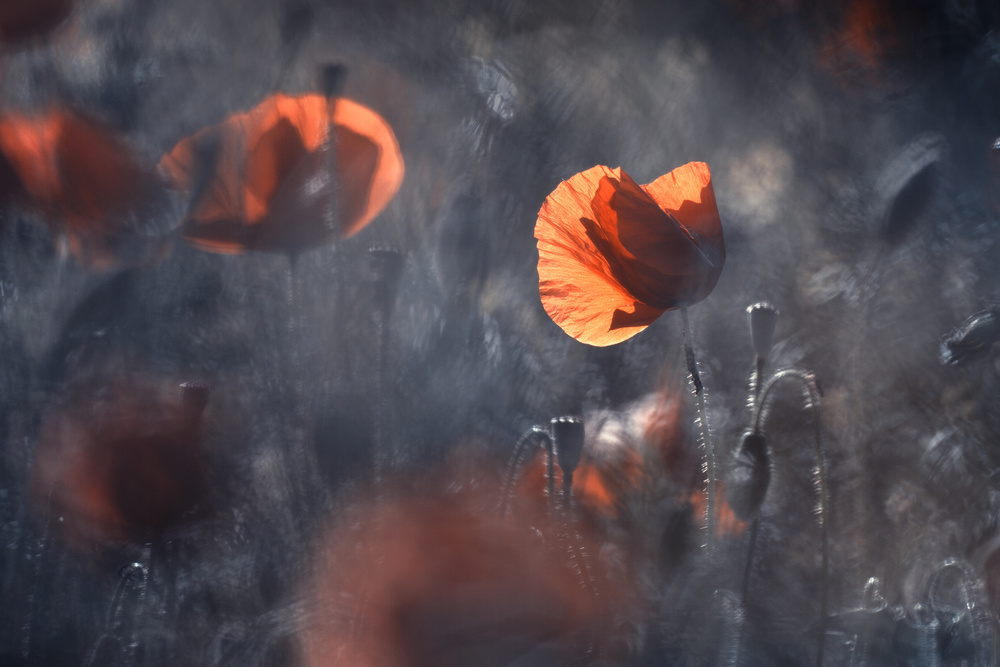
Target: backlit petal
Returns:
[269, 186]
[613, 255]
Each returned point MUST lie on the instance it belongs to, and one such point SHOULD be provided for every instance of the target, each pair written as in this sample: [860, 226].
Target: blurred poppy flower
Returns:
[84, 180]
[726, 522]
[599, 486]
[266, 179]
[442, 580]
[614, 255]
[22, 20]
[124, 463]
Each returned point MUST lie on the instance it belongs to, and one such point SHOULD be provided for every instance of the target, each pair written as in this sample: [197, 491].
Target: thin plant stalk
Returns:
[706, 438]
[517, 461]
[756, 385]
[809, 383]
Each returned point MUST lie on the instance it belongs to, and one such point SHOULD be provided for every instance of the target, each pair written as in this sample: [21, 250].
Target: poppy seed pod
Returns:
[568, 433]
[763, 318]
[614, 255]
[750, 476]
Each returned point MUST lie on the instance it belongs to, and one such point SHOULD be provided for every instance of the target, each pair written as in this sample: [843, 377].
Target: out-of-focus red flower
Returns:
[726, 523]
[862, 43]
[663, 430]
[599, 486]
[614, 255]
[122, 464]
[82, 178]
[265, 179]
[26, 19]
[441, 580]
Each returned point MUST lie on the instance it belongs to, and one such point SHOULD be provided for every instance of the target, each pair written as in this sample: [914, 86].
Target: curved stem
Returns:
[808, 381]
[706, 437]
[517, 461]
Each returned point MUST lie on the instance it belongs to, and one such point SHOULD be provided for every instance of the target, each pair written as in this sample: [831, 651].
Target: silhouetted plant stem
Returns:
[136, 577]
[809, 383]
[748, 567]
[706, 438]
[756, 386]
[517, 461]
[299, 470]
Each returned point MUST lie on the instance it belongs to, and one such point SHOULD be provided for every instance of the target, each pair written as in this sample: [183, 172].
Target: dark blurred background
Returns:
[852, 147]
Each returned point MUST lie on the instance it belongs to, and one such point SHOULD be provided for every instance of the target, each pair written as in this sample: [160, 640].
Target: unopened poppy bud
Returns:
[763, 319]
[567, 432]
[332, 77]
[973, 340]
[750, 477]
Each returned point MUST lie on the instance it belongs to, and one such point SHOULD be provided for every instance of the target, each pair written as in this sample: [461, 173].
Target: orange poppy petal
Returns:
[687, 194]
[353, 159]
[85, 180]
[659, 261]
[576, 282]
[271, 172]
[613, 255]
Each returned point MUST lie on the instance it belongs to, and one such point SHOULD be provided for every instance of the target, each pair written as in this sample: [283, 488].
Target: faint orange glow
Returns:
[440, 579]
[261, 179]
[663, 429]
[865, 38]
[80, 176]
[124, 463]
[726, 523]
[599, 486]
[614, 255]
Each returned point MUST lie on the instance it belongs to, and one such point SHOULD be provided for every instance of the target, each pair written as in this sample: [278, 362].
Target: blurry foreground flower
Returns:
[614, 255]
[267, 179]
[86, 182]
[442, 580]
[123, 464]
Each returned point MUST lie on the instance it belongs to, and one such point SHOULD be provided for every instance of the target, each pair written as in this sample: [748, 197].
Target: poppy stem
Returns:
[808, 381]
[518, 459]
[753, 400]
[706, 437]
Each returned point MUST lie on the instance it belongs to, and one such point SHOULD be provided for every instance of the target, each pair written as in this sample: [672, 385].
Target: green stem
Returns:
[706, 437]
[809, 382]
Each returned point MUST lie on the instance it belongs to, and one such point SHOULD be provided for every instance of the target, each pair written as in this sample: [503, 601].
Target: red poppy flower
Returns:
[23, 19]
[261, 180]
[614, 255]
[125, 463]
[82, 178]
[442, 580]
